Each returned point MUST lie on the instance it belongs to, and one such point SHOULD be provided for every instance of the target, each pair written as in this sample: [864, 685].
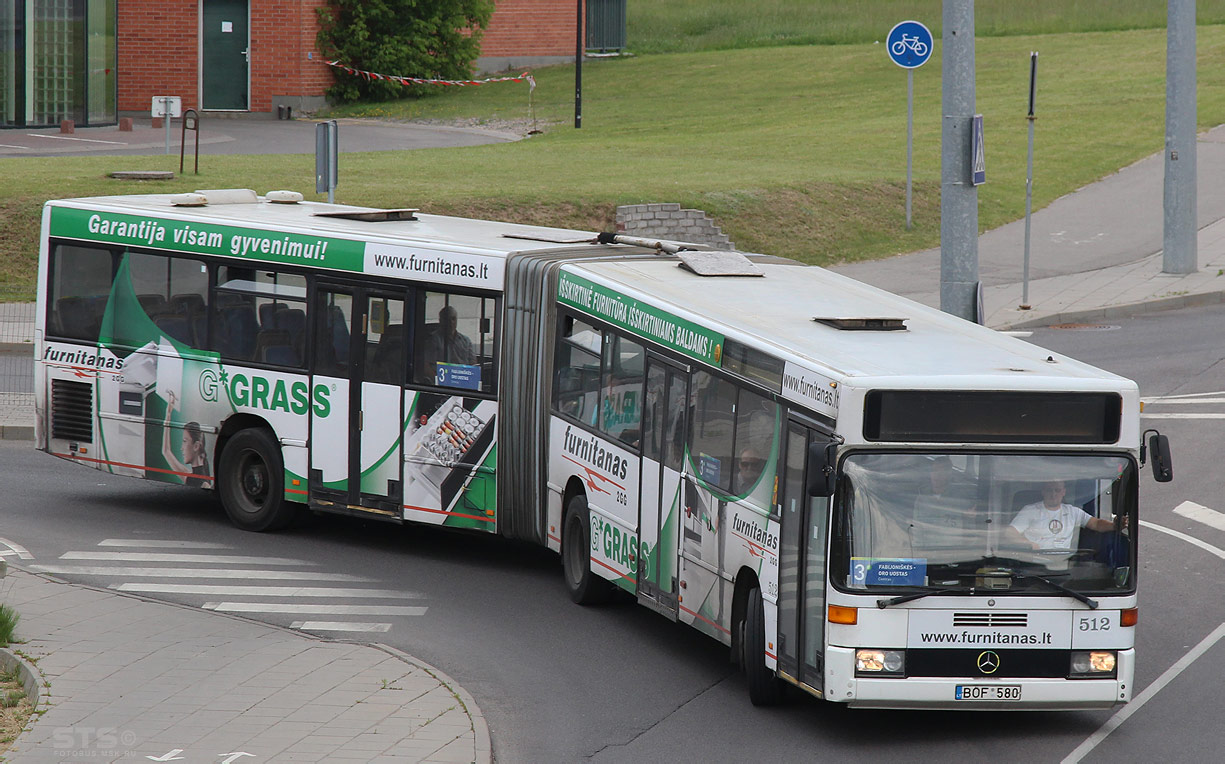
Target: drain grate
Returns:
[1084, 327]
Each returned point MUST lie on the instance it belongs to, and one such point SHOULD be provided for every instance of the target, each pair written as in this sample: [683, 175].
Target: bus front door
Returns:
[357, 413]
[801, 576]
[659, 507]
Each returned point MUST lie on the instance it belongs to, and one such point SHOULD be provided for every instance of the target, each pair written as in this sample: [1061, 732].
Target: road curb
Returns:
[483, 744]
[31, 678]
[16, 432]
[1113, 312]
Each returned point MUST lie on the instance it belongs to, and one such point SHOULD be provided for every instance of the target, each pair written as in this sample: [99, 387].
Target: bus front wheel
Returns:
[765, 689]
[251, 482]
[585, 587]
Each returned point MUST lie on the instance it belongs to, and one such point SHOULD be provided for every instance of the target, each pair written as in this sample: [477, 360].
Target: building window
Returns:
[57, 62]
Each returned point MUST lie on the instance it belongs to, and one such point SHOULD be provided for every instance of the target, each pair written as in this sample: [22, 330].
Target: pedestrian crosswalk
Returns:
[1187, 406]
[270, 585]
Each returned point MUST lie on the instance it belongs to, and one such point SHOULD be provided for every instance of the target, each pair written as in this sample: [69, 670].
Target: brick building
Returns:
[95, 60]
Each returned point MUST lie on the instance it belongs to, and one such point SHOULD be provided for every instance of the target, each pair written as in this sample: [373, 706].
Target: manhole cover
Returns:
[1084, 327]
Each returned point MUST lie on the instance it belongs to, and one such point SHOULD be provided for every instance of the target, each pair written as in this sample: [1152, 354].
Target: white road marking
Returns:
[1180, 401]
[1113, 723]
[1189, 539]
[265, 591]
[9, 146]
[69, 138]
[1182, 395]
[162, 544]
[1201, 514]
[1146, 415]
[243, 573]
[1136, 704]
[219, 559]
[294, 607]
[340, 626]
[17, 549]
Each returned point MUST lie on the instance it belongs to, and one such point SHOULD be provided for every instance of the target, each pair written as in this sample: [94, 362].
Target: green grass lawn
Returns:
[795, 150]
[673, 26]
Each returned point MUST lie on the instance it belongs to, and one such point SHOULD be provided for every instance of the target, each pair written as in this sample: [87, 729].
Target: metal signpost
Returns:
[327, 146]
[167, 107]
[1029, 177]
[909, 45]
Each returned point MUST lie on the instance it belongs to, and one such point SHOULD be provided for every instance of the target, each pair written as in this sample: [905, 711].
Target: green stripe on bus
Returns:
[207, 238]
[639, 318]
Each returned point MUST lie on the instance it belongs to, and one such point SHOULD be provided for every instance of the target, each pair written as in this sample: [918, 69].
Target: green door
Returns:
[225, 55]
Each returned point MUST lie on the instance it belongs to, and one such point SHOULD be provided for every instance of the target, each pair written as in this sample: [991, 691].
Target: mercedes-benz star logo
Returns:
[988, 662]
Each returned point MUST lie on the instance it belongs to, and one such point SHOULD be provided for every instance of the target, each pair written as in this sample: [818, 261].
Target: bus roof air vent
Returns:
[228, 195]
[372, 215]
[283, 197]
[718, 262]
[864, 324]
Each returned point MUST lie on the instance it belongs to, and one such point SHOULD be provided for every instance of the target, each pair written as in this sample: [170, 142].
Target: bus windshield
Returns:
[962, 522]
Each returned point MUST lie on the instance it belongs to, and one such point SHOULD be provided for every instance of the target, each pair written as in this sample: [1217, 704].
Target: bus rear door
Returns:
[663, 452]
[357, 417]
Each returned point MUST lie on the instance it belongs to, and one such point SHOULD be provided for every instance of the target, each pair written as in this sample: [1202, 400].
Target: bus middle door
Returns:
[659, 510]
[357, 438]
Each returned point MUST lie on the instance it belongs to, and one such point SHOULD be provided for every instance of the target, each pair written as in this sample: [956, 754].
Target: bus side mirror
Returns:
[821, 460]
[1159, 451]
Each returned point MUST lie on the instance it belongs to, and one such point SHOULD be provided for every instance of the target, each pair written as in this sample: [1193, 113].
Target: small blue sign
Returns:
[980, 156]
[461, 375]
[909, 44]
[900, 571]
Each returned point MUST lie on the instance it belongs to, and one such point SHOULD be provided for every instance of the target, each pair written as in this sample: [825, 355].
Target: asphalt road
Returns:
[562, 683]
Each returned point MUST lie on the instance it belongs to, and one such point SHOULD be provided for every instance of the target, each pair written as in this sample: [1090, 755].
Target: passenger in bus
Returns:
[446, 344]
[193, 468]
[1052, 524]
[748, 469]
[944, 510]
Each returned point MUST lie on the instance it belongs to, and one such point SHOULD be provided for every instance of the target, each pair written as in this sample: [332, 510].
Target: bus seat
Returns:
[281, 355]
[152, 303]
[340, 331]
[189, 304]
[423, 369]
[199, 328]
[388, 358]
[266, 311]
[236, 334]
[267, 339]
[174, 326]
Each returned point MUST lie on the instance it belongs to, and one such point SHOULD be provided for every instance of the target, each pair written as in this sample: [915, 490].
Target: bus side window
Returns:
[577, 385]
[712, 430]
[173, 293]
[453, 342]
[80, 286]
[621, 393]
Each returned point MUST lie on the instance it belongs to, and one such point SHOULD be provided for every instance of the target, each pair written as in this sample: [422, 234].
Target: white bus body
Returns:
[668, 433]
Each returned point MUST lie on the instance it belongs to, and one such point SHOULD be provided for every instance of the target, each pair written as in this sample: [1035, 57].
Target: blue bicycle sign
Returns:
[909, 44]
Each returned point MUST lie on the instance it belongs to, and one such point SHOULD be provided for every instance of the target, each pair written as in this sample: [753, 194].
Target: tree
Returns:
[433, 39]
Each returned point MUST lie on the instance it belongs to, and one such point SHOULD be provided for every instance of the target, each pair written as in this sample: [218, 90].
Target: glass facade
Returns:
[57, 62]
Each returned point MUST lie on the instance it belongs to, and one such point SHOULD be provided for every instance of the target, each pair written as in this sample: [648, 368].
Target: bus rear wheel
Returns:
[251, 482]
[765, 689]
[585, 587]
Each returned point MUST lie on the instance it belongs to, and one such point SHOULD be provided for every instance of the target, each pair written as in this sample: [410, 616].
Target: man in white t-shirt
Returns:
[1051, 524]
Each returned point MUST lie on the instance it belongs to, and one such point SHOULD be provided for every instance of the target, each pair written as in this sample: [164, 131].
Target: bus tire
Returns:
[585, 587]
[251, 481]
[765, 689]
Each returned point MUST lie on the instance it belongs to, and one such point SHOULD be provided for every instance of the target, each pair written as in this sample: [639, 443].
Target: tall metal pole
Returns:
[1179, 237]
[578, 67]
[958, 196]
[909, 137]
[1029, 176]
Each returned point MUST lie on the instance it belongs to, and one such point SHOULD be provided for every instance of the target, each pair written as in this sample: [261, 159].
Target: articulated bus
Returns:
[863, 497]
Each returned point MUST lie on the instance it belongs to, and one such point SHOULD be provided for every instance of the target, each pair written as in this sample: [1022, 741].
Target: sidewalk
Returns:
[124, 679]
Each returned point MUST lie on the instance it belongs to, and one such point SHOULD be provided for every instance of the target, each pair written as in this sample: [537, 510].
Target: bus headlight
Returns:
[872, 662]
[1093, 663]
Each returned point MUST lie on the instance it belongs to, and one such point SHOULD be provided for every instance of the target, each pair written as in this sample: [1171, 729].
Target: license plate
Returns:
[988, 692]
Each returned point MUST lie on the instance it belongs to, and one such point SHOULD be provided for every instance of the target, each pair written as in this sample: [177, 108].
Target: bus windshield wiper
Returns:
[1092, 603]
[884, 603]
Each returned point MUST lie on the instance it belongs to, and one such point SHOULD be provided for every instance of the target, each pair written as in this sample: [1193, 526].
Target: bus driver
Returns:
[1052, 524]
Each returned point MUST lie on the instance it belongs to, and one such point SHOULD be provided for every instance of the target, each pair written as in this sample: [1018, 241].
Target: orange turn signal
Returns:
[844, 615]
[1129, 617]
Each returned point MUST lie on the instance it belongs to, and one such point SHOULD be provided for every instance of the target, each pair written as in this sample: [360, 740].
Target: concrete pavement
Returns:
[119, 678]
[128, 679]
